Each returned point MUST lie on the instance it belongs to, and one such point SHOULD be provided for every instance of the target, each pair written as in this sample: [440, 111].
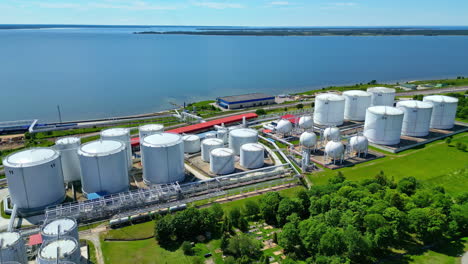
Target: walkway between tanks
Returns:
[92, 235]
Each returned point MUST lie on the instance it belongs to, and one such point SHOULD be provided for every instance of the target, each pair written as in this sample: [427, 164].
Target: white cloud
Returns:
[110, 4]
[218, 5]
[280, 3]
[59, 5]
[344, 4]
[339, 5]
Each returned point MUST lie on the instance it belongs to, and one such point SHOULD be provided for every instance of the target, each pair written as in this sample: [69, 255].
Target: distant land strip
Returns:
[318, 32]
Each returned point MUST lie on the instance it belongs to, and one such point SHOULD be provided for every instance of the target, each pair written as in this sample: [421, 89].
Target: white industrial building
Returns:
[245, 100]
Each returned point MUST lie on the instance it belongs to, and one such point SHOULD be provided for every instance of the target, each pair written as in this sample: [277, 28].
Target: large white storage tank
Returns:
[191, 143]
[59, 228]
[68, 148]
[284, 126]
[252, 156]
[382, 96]
[35, 178]
[208, 145]
[63, 249]
[222, 161]
[150, 129]
[331, 133]
[416, 118]
[306, 122]
[164, 158]
[383, 125]
[329, 109]
[104, 167]
[241, 136]
[12, 247]
[443, 112]
[356, 104]
[120, 134]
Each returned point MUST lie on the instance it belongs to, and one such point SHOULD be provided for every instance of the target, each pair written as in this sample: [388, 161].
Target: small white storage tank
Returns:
[443, 112]
[252, 156]
[284, 127]
[329, 109]
[358, 144]
[59, 228]
[63, 249]
[208, 145]
[222, 161]
[210, 135]
[416, 117]
[104, 167]
[306, 122]
[382, 96]
[35, 178]
[164, 158]
[356, 104]
[68, 148]
[12, 247]
[308, 140]
[334, 150]
[241, 136]
[331, 133]
[120, 134]
[223, 135]
[150, 129]
[191, 143]
[383, 125]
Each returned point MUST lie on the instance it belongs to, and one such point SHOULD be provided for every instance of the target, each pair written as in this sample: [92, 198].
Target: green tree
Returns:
[251, 208]
[289, 238]
[218, 211]
[286, 207]
[234, 216]
[244, 245]
[407, 185]
[299, 106]
[428, 224]
[187, 248]
[448, 140]
[269, 205]
[332, 242]
[261, 112]
[243, 224]
[224, 242]
[164, 229]
[275, 237]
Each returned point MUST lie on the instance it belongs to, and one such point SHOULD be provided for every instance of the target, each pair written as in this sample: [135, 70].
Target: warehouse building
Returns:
[245, 100]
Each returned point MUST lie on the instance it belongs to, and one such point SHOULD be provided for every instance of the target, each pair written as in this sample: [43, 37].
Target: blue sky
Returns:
[236, 12]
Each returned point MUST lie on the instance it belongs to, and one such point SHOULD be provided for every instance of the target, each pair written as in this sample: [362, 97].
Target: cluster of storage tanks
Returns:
[60, 244]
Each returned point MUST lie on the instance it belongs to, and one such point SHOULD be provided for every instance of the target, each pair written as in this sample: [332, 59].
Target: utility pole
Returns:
[59, 114]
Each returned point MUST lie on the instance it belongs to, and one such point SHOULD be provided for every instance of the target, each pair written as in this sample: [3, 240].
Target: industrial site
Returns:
[121, 178]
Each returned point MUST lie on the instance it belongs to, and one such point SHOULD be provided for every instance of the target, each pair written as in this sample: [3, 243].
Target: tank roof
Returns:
[65, 225]
[356, 93]
[252, 147]
[101, 148]
[212, 141]
[65, 246]
[330, 97]
[243, 132]
[162, 139]
[381, 90]
[385, 110]
[67, 140]
[151, 127]
[441, 99]
[114, 132]
[30, 157]
[191, 137]
[414, 104]
[223, 152]
[9, 238]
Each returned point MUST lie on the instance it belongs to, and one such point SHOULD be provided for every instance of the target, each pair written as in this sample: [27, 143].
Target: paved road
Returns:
[464, 259]
[93, 236]
[433, 91]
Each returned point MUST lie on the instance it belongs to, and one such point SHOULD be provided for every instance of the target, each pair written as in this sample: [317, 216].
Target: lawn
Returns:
[435, 163]
[137, 231]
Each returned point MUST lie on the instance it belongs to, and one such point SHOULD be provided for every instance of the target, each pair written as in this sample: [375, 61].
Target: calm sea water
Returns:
[104, 72]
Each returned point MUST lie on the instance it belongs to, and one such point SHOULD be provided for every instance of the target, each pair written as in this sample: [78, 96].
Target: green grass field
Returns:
[435, 164]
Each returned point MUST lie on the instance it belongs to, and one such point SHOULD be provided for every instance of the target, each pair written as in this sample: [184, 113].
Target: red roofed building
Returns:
[35, 239]
[291, 118]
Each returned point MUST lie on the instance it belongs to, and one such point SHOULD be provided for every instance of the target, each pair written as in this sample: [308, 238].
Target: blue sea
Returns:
[94, 72]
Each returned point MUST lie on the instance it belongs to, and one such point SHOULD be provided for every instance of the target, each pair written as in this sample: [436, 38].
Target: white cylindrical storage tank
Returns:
[208, 145]
[222, 161]
[382, 96]
[223, 135]
[12, 247]
[59, 228]
[359, 144]
[150, 129]
[252, 156]
[356, 104]
[329, 109]
[164, 158]
[383, 125]
[306, 122]
[308, 139]
[120, 134]
[331, 133]
[210, 135]
[241, 136]
[63, 249]
[416, 117]
[191, 143]
[334, 150]
[35, 178]
[284, 126]
[68, 148]
[443, 112]
[104, 167]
